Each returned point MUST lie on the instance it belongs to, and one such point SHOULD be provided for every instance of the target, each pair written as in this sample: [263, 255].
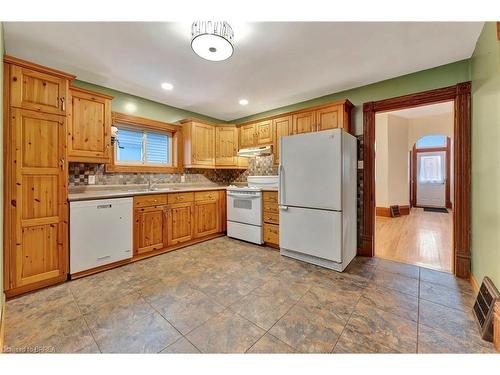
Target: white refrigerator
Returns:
[317, 198]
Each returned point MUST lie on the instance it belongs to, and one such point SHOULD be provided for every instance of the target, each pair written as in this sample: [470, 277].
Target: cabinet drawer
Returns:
[271, 218]
[180, 197]
[150, 200]
[206, 195]
[271, 207]
[270, 196]
[271, 233]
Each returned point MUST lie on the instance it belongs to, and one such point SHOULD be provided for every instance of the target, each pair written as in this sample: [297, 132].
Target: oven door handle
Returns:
[244, 196]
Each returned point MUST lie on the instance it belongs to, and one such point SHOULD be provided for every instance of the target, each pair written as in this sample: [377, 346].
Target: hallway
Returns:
[421, 238]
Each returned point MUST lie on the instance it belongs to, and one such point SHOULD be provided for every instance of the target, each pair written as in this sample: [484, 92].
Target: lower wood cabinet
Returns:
[179, 223]
[150, 229]
[271, 219]
[163, 221]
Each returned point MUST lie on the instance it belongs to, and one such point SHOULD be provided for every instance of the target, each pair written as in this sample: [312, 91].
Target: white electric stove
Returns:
[244, 208]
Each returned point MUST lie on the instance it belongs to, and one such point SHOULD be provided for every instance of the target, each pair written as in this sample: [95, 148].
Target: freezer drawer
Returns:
[100, 233]
[317, 233]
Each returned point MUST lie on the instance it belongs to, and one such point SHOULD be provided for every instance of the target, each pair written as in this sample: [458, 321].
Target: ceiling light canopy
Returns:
[167, 86]
[243, 101]
[212, 40]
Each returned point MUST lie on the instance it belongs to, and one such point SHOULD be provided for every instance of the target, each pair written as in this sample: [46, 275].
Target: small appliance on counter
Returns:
[244, 208]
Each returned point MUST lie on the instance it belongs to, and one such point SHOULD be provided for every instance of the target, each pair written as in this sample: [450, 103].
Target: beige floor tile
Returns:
[181, 346]
[352, 342]
[379, 326]
[391, 301]
[433, 340]
[445, 279]
[308, 330]
[269, 344]
[403, 269]
[227, 332]
[455, 298]
[397, 282]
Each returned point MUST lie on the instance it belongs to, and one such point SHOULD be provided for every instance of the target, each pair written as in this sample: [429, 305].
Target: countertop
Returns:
[90, 192]
[122, 191]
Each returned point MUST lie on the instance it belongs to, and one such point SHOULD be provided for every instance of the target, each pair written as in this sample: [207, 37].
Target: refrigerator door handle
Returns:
[280, 184]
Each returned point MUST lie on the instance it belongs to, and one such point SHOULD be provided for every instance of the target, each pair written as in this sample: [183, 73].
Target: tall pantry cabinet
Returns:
[35, 194]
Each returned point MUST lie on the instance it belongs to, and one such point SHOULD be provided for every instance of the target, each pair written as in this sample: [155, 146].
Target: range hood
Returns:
[255, 151]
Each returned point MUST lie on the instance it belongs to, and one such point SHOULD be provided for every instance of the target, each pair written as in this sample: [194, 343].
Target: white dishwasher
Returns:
[100, 232]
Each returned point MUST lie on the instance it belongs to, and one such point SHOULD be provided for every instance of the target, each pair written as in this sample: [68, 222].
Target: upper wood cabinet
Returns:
[331, 117]
[248, 136]
[226, 146]
[264, 130]
[89, 126]
[38, 88]
[304, 122]
[282, 127]
[199, 144]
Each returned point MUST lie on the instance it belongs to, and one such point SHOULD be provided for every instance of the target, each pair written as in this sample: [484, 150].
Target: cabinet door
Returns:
[39, 198]
[329, 117]
[303, 122]
[179, 223]
[206, 217]
[226, 146]
[203, 144]
[38, 91]
[282, 127]
[264, 132]
[150, 229]
[247, 136]
[89, 136]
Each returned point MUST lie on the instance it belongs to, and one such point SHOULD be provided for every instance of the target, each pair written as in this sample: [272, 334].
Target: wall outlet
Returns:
[91, 180]
[183, 178]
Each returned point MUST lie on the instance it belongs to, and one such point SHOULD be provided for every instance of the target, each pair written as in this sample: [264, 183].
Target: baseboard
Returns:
[386, 211]
[474, 283]
[2, 323]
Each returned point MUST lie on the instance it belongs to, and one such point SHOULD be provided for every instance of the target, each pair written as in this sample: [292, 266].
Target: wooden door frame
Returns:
[414, 167]
[460, 94]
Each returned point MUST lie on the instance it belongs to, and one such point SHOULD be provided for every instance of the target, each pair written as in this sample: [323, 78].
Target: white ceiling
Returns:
[274, 64]
[425, 110]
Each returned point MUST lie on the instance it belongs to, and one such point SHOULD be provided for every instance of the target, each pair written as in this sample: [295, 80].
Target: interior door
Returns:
[431, 179]
[310, 173]
[39, 198]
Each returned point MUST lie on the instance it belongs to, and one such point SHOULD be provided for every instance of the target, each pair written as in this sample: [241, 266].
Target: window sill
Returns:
[142, 168]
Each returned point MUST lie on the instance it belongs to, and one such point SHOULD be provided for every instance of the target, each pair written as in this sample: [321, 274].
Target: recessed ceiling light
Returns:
[167, 86]
[130, 107]
[243, 102]
[212, 40]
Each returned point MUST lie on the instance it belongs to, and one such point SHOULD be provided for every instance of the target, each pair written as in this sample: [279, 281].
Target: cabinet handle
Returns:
[63, 103]
[61, 162]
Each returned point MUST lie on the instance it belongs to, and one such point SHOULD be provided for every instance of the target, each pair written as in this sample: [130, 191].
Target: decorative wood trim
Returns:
[461, 95]
[89, 92]
[30, 65]
[349, 106]
[2, 323]
[498, 30]
[7, 220]
[144, 123]
[35, 286]
[194, 119]
[474, 283]
[496, 325]
[386, 211]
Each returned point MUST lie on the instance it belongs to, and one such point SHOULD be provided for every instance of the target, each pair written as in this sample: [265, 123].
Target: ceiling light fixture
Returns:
[130, 107]
[243, 102]
[212, 40]
[167, 86]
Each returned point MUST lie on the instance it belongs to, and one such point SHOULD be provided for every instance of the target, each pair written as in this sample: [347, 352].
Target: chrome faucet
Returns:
[152, 184]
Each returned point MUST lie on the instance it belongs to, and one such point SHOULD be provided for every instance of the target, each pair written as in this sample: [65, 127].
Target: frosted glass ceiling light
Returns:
[212, 40]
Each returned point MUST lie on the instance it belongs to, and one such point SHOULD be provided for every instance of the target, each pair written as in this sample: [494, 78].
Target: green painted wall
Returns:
[442, 76]
[1, 163]
[485, 72]
[145, 108]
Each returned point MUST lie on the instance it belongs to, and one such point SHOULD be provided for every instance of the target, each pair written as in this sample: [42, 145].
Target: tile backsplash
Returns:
[80, 172]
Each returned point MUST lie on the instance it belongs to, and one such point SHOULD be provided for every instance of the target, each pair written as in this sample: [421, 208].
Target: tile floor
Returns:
[226, 296]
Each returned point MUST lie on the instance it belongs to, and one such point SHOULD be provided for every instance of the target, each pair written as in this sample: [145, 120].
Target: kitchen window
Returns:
[143, 147]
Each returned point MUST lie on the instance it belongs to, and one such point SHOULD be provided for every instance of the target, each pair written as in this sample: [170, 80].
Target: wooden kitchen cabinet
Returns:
[248, 136]
[179, 223]
[264, 130]
[331, 117]
[207, 214]
[89, 126]
[150, 229]
[226, 146]
[270, 218]
[199, 144]
[38, 88]
[282, 127]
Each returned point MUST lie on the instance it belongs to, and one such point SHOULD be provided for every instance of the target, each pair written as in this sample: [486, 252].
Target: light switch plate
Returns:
[91, 180]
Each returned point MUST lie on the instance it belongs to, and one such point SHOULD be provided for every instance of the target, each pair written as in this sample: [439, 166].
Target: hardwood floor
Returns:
[421, 238]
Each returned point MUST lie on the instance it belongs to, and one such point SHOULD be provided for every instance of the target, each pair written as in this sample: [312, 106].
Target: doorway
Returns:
[460, 96]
